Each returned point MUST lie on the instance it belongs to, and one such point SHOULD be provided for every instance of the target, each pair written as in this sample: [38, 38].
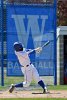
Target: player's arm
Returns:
[37, 50]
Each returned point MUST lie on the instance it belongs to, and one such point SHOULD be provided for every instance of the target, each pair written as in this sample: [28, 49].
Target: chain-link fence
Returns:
[16, 4]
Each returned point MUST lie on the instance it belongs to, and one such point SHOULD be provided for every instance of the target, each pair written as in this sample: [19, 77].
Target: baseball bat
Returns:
[45, 44]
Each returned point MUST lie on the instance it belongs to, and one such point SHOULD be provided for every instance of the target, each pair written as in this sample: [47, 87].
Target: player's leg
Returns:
[21, 84]
[38, 80]
[41, 83]
[12, 87]
[28, 78]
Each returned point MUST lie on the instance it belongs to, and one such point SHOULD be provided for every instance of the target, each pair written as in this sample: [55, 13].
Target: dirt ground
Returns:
[34, 94]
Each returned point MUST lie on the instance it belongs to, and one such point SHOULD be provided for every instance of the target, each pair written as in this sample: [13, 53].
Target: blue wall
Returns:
[32, 26]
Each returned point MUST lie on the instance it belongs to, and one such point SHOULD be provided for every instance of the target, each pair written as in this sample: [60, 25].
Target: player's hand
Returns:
[38, 50]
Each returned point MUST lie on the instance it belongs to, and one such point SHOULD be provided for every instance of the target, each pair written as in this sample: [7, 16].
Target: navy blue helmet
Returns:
[18, 46]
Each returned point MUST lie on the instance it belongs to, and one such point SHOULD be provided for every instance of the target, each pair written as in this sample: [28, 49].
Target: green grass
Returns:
[34, 99]
[13, 80]
[58, 87]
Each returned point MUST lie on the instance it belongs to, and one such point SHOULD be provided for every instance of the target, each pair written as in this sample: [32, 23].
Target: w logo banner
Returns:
[32, 26]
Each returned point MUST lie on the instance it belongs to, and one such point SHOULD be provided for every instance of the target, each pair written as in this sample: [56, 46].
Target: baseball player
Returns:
[28, 69]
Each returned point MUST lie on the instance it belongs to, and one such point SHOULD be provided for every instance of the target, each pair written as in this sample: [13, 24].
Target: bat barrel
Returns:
[46, 44]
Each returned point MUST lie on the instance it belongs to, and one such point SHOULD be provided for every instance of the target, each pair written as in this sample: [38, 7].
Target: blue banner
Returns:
[32, 26]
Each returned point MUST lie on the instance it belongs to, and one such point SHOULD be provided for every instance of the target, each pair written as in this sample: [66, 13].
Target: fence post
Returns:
[2, 30]
[55, 43]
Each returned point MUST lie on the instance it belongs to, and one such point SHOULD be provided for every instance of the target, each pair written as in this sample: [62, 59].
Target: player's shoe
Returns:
[45, 90]
[11, 88]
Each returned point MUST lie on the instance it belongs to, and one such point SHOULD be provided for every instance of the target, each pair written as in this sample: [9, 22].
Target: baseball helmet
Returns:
[18, 46]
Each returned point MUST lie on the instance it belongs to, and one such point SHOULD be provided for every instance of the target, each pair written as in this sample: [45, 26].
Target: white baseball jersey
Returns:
[28, 69]
[23, 57]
